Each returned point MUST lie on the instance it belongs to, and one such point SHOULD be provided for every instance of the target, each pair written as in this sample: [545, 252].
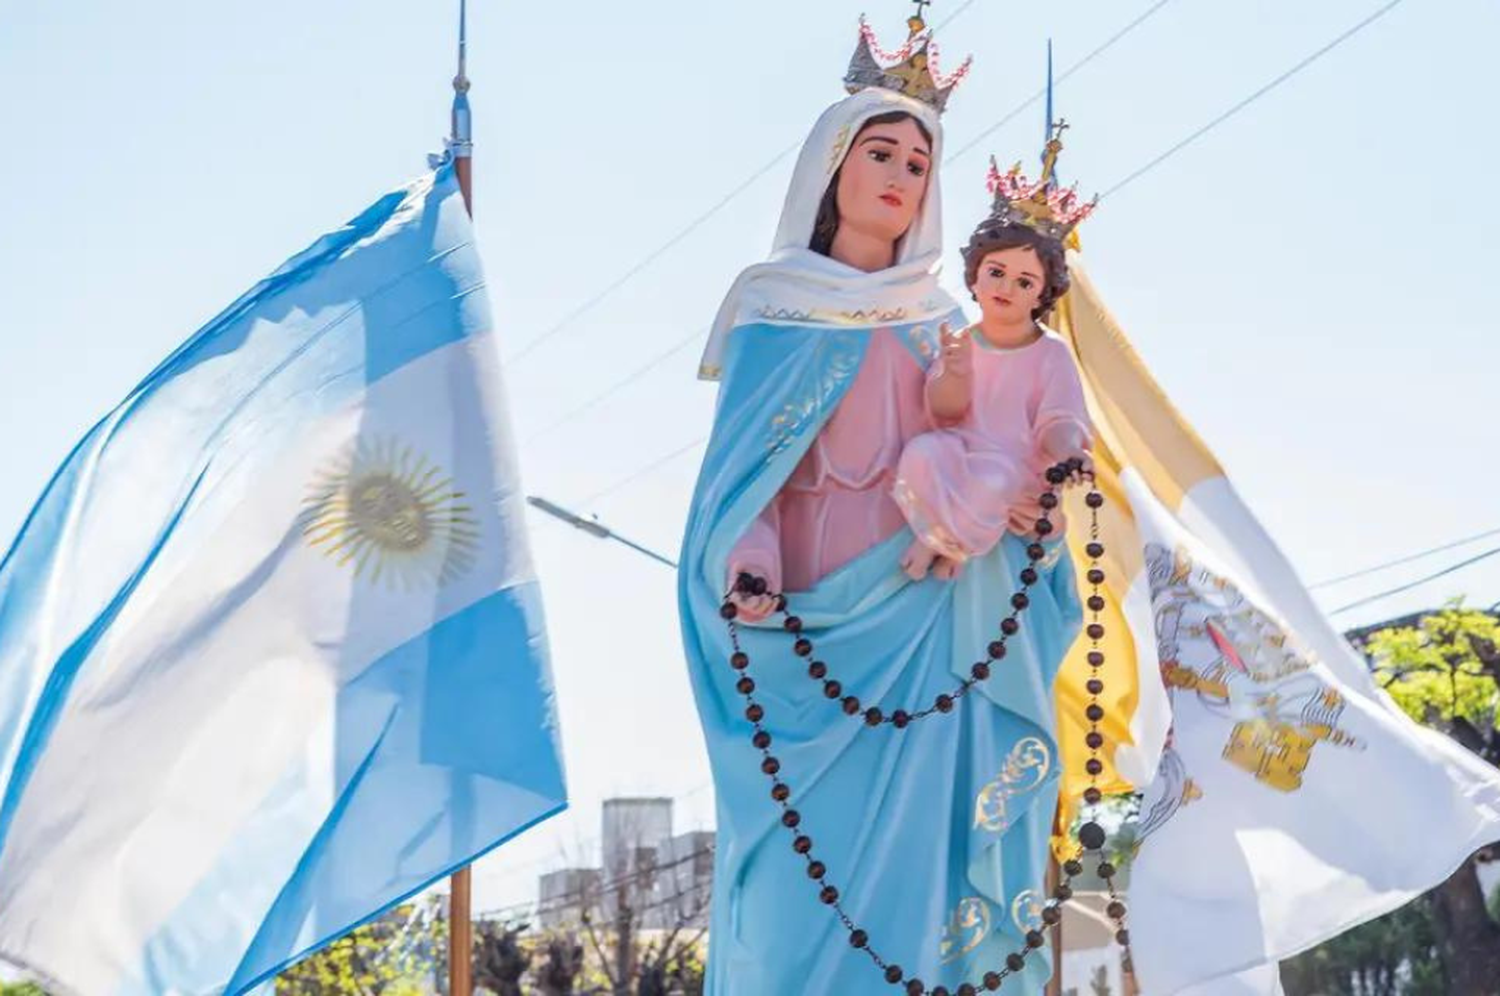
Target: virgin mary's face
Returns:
[884, 179]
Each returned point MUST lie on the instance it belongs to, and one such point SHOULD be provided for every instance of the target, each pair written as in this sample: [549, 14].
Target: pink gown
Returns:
[838, 502]
[963, 486]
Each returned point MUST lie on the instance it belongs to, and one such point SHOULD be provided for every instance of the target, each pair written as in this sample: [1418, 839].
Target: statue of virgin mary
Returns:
[934, 833]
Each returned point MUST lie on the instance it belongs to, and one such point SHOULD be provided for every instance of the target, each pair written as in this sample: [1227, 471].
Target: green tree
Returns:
[21, 989]
[391, 956]
[1443, 672]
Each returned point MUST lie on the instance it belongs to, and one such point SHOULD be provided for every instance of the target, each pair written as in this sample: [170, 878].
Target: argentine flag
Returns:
[272, 654]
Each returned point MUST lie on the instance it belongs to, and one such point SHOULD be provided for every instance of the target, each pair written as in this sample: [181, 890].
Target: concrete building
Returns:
[565, 894]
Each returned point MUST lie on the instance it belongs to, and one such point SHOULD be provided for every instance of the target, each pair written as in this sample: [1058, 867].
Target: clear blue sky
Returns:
[1311, 282]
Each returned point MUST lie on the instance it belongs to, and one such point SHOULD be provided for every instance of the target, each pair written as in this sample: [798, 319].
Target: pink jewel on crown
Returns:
[1043, 205]
[911, 70]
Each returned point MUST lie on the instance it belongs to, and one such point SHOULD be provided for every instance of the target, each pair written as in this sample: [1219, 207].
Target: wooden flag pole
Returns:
[460, 886]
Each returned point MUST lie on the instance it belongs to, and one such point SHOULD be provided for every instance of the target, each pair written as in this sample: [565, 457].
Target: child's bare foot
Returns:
[918, 560]
[947, 569]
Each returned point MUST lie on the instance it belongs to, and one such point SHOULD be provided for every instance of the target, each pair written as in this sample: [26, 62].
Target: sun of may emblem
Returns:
[393, 515]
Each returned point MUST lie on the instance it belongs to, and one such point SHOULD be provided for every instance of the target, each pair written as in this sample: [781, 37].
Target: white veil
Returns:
[797, 286]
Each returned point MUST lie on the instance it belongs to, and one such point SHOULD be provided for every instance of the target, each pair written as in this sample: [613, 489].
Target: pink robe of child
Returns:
[837, 503]
[963, 486]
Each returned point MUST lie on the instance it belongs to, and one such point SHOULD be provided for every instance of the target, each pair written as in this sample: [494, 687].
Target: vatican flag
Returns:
[272, 655]
[1287, 798]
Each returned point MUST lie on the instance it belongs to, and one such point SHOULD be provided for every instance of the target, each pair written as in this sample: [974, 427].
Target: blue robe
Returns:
[936, 835]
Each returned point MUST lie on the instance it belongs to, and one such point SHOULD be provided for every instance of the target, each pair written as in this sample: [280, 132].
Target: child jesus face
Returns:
[1009, 286]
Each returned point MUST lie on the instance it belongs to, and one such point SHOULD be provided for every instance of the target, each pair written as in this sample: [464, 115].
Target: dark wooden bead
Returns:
[1034, 939]
[1096, 631]
[1095, 686]
[802, 844]
[1106, 870]
[1094, 712]
[1051, 915]
[780, 792]
[1094, 550]
[900, 719]
[1029, 576]
[997, 649]
[851, 705]
[1096, 603]
[1073, 867]
[1092, 796]
[780, 603]
[818, 670]
[1096, 658]
[745, 685]
[944, 703]
[1009, 627]
[739, 661]
[966, 990]
[858, 938]
[791, 818]
[829, 895]
[1123, 937]
[940, 991]
[1091, 836]
[1036, 551]
[980, 671]
[1063, 892]
[873, 717]
[728, 611]
[1043, 527]
[1019, 601]
[1096, 576]
[832, 689]
[1094, 740]
[1094, 500]
[1056, 475]
[1116, 910]
[816, 870]
[755, 713]
[1094, 767]
[793, 624]
[1073, 464]
[1049, 501]
[744, 583]
[803, 647]
[915, 988]
[893, 974]
[761, 740]
[770, 766]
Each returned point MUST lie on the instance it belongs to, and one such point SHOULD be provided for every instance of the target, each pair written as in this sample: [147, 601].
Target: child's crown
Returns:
[1044, 205]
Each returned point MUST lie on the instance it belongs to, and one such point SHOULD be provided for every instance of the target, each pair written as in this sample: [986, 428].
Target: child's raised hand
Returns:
[956, 348]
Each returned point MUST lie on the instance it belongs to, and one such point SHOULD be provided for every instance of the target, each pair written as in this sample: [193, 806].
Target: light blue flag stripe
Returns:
[272, 652]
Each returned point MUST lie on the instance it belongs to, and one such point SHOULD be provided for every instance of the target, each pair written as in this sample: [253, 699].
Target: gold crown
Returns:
[1042, 205]
[912, 70]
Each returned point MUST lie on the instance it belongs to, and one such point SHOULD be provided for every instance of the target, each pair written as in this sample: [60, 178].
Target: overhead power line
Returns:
[1338, 40]
[1417, 583]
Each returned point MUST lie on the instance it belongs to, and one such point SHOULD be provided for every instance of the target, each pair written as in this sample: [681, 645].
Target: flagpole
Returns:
[460, 886]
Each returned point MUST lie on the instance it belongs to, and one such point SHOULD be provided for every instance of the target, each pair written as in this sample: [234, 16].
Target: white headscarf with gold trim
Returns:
[797, 286]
